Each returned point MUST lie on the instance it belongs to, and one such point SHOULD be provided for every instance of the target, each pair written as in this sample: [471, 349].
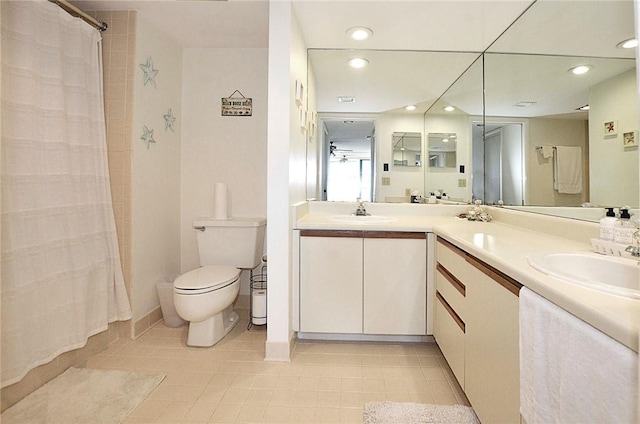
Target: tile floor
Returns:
[325, 382]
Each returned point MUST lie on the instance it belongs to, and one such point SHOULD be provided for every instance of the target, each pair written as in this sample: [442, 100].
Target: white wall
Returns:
[155, 170]
[215, 148]
[286, 170]
[613, 169]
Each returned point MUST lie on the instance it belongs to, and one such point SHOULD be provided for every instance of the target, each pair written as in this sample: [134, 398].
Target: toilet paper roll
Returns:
[259, 307]
[220, 202]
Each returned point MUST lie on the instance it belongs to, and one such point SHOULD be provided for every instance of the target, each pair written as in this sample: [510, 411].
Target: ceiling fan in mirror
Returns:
[333, 149]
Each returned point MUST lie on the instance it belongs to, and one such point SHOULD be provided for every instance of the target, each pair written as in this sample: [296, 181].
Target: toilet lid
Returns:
[207, 277]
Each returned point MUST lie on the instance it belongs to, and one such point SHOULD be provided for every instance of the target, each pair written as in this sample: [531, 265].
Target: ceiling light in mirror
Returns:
[580, 69]
[585, 107]
[410, 107]
[631, 43]
[449, 108]
[359, 33]
[358, 62]
[525, 104]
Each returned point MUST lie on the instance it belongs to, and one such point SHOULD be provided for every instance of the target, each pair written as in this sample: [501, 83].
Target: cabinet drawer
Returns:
[452, 289]
[450, 338]
[453, 259]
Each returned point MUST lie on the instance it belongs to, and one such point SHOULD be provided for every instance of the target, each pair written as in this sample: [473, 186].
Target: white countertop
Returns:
[506, 248]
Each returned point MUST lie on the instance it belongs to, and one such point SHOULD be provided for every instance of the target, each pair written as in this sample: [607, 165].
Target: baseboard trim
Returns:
[280, 351]
[364, 338]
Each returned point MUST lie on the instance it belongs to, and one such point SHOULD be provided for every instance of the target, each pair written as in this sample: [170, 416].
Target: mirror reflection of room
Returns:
[521, 86]
[407, 149]
[442, 150]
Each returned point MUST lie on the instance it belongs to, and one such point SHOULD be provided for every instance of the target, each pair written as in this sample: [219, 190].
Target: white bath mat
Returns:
[417, 413]
[82, 396]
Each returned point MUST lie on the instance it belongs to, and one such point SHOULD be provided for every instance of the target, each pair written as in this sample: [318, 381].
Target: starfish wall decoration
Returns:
[147, 136]
[149, 72]
[169, 120]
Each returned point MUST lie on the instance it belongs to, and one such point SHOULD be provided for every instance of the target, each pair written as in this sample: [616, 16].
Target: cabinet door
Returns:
[395, 284]
[331, 284]
[492, 374]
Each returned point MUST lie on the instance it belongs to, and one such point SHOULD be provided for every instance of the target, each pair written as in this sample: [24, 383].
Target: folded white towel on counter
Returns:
[567, 170]
[569, 371]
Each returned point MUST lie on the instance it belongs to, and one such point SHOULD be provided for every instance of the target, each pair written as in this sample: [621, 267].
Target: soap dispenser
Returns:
[624, 228]
[607, 225]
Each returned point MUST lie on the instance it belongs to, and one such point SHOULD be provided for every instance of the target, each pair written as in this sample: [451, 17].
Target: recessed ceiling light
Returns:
[628, 44]
[410, 107]
[348, 122]
[525, 104]
[449, 108]
[346, 99]
[585, 107]
[445, 140]
[359, 33]
[581, 69]
[358, 62]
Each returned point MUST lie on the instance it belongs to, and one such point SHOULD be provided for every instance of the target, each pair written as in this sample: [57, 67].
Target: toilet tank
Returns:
[236, 241]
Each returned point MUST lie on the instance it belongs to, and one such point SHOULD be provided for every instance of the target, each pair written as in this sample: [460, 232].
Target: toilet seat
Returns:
[206, 279]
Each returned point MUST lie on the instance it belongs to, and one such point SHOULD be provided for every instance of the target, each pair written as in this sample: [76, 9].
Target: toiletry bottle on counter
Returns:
[607, 225]
[415, 198]
[624, 228]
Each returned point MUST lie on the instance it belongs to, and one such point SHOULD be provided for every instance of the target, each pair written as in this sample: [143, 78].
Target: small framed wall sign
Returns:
[303, 119]
[300, 93]
[611, 128]
[630, 138]
[236, 106]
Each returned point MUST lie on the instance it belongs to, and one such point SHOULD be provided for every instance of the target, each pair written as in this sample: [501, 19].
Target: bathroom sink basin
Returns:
[619, 276]
[363, 219]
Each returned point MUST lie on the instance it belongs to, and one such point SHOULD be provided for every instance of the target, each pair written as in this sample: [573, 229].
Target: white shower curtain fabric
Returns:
[62, 280]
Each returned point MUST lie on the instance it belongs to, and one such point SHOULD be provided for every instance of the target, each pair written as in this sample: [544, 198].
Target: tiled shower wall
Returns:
[118, 54]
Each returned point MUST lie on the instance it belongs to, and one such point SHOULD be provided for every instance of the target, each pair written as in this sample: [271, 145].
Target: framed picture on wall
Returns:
[611, 128]
[303, 119]
[630, 139]
[299, 93]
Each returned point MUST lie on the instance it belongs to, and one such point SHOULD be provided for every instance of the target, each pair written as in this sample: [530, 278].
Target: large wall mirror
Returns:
[506, 105]
[534, 104]
[535, 98]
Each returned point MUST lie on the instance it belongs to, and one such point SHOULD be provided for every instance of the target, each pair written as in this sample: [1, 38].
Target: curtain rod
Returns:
[74, 11]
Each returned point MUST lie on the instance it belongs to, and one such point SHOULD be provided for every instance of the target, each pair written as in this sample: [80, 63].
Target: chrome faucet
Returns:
[360, 210]
[634, 249]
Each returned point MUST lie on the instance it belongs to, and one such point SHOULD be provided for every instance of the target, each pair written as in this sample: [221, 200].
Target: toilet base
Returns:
[210, 331]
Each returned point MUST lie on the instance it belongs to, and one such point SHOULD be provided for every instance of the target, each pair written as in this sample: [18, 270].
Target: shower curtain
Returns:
[61, 275]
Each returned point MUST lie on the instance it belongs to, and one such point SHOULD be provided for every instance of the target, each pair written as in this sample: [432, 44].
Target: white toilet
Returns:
[205, 296]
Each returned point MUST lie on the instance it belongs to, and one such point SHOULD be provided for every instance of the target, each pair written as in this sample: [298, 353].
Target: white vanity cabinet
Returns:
[395, 283]
[363, 282]
[331, 281]
[476, 327]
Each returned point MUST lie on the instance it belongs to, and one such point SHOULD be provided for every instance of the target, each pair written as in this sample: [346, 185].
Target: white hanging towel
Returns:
[569, 371]
[567, 170]
[547, 151]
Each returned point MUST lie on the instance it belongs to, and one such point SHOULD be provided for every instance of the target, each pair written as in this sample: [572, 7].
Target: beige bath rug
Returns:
[417, 413]
[83, 396]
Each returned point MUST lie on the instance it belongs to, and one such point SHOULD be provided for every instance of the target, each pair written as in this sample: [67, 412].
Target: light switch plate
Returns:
[386, 180]
[462, 182]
